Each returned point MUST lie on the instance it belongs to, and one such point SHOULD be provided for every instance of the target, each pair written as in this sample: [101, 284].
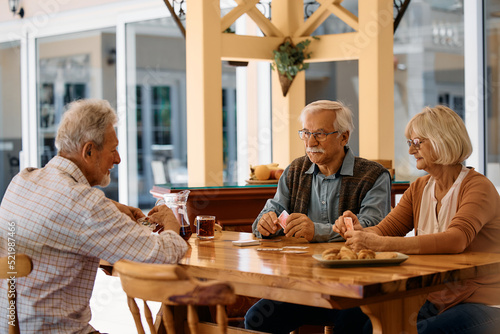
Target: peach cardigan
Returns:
[477, 217]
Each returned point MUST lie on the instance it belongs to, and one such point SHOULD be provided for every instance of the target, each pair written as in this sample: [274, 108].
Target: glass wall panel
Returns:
[10, 112]
[338, 80]
[72, 67]
[429, 69]
[156, 110]
[492, 37]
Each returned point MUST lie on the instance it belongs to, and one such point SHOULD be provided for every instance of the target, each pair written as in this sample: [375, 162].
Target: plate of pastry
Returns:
[345, 257]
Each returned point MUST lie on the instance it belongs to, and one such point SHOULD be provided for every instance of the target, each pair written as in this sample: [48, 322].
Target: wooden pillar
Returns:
[287, 16]
[204, 93]
[376, 79]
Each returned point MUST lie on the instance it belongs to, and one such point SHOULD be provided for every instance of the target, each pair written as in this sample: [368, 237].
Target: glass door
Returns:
[10, 112]
[429, 69]
[156, 110]
[71, 67]
[492, 78]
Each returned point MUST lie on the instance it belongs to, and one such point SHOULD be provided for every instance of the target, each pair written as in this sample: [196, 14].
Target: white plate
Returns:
[363, 262]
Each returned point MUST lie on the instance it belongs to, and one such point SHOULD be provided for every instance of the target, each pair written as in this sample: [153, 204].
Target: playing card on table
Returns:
[348, 224]
[282, 218]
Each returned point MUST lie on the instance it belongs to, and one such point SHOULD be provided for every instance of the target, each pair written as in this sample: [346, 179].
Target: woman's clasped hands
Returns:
[356, 238]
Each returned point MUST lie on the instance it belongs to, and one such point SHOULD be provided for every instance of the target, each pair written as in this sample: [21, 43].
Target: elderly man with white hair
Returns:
[57, 217]
[315, 190]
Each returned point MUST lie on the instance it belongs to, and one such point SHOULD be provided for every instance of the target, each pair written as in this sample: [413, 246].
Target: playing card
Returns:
[282, 218]
[348, 223]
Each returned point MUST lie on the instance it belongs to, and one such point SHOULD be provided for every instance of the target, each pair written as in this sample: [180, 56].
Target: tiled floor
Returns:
[110, 312]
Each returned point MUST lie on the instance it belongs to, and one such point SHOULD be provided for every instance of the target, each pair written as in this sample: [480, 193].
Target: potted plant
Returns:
[289, 60]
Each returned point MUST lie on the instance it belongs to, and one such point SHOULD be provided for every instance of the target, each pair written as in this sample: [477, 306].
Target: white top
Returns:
[429, 222]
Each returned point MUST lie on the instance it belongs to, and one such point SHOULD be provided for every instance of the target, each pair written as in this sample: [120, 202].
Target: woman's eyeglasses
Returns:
[415, 142]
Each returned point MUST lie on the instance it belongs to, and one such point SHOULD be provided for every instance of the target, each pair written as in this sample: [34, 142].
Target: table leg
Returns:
[394, 316]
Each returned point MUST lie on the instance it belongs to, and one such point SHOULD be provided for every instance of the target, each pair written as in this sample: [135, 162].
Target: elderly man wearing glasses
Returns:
[315, 190]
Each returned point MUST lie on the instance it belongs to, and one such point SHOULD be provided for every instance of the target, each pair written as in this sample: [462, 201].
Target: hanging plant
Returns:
[289, 61]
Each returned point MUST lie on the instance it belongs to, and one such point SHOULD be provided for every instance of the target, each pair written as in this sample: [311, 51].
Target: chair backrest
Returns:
[18, 265]
[171, 285]
[387, 164]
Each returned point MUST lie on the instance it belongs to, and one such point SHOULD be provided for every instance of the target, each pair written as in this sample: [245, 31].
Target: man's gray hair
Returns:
[84, 121]
[343, 120]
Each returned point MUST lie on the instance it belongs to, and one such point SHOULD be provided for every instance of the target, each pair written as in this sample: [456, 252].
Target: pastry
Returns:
[366, 254]
[346, 253]
[331, 254]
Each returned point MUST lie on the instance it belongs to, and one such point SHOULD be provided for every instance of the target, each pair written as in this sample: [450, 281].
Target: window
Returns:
[72, 67]
[156, 110]
[10, 112]
[429, 70]
[492, 35]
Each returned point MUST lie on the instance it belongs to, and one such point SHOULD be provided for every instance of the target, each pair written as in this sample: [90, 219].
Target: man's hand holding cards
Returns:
[282, 219]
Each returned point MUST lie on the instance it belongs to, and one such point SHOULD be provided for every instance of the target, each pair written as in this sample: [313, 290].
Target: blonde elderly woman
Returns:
[454, 209]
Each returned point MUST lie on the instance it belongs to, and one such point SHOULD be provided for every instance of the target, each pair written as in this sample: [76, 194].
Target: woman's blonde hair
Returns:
[84, 121]
[343, 119]
[446, 132]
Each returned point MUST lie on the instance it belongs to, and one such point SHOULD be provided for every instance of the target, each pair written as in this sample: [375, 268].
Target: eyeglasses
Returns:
[319, 136]
[415, 142]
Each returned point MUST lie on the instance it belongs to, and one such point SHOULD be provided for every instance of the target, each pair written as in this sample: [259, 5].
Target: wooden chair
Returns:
[387, 164]
[172, 286]
[21, 265]
[306, 329]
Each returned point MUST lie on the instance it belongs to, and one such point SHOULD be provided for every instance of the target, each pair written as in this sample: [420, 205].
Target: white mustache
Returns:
[315, 150]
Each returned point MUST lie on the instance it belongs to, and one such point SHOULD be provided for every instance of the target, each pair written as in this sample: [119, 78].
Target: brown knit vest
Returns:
[352, 190]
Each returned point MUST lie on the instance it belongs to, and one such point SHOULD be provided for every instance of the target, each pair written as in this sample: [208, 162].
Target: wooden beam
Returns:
[248, 48]
[236, 12]
[349, 18]
[314, 21]
[204, 94]
[288, 16]
[327, 8]
[267, 27]
[335, 47]
[175, 17]
[376, 80]
[253, 48]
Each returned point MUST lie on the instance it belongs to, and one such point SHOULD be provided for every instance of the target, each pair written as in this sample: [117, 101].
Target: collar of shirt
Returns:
[68, 166]
[346, 169]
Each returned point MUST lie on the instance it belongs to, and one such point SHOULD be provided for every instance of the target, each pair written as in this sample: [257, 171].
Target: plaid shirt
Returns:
[66, 226]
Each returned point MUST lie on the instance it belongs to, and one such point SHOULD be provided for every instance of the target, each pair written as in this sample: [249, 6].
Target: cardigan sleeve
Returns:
[400, 220]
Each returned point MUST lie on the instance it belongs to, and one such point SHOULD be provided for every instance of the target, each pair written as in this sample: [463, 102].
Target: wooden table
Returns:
[390, 296]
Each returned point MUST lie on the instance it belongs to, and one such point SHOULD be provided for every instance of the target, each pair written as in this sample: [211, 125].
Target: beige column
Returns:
[376, 79]
[204, 93]
[287, 17]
